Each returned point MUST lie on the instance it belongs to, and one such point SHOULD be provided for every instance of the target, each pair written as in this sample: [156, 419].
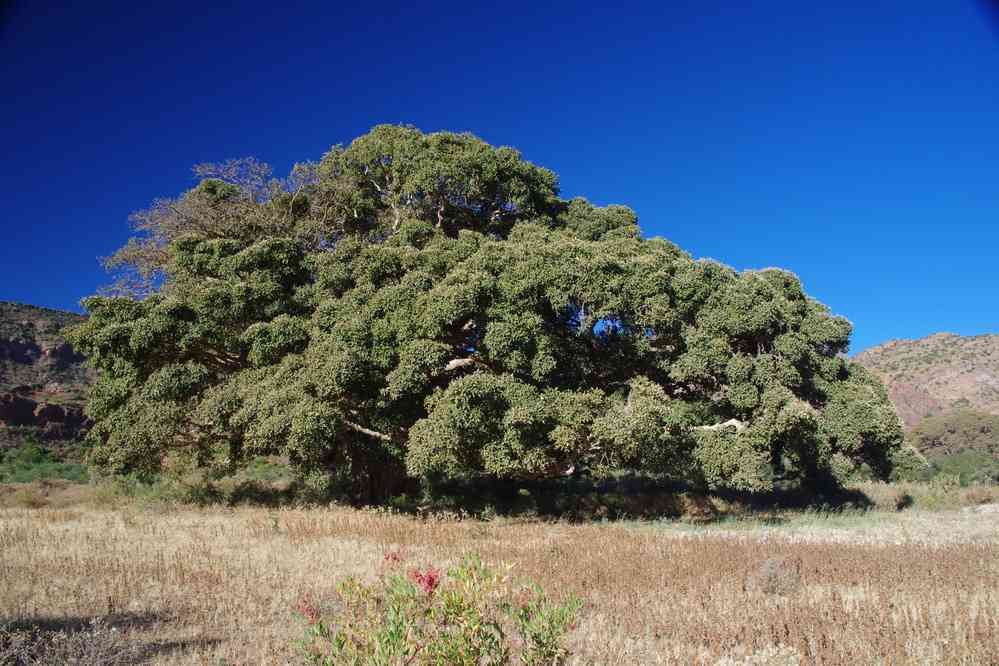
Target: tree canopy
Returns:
[426, 305]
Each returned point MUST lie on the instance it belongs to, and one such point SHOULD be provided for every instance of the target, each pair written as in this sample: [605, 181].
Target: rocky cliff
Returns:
[42, 380]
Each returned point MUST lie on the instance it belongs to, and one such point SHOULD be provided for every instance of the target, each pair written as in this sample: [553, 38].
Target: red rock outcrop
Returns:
[53, 421]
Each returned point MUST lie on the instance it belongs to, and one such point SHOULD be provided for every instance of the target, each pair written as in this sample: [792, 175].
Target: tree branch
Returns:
[367, 431]
[460, 363]
[734, 423]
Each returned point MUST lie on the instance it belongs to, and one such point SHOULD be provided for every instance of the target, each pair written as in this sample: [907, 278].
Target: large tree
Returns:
[425, 305]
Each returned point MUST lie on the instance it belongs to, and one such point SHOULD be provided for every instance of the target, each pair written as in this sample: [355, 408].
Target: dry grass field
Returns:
[179, 585]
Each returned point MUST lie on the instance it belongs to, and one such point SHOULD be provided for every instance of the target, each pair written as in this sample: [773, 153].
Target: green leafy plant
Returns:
[475, 614]
[31, 462]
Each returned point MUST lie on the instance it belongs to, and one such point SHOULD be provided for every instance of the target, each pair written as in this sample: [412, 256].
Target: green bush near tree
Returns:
[32, 462]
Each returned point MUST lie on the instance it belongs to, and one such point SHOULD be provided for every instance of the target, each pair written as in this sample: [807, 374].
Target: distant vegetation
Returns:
[962, 431]
[33, 463]
[422, 308]
[964, 443]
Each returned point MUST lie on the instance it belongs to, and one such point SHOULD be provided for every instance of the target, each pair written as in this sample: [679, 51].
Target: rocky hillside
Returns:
[938, 374]
[42, 380]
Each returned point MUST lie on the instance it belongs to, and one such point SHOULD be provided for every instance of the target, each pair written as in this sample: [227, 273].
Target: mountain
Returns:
[939, 374]
[42, 380]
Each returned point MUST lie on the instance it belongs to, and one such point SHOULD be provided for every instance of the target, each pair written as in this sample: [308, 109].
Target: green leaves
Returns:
[269, 342]
[452, 181]
[427, 300]
[859, 421]
[583, 219]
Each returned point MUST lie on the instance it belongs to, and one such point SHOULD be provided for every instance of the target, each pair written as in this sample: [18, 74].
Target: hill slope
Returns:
[937, 374]
[33, 352]
[42, 380]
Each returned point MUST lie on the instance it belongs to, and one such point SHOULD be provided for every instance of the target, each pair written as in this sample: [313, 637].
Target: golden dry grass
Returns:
[216, 586]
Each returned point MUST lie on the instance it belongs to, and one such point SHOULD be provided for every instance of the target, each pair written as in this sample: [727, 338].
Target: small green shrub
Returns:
[946, 481]
[475, 614]
[262, 468]
[908, 464]
[970, 467]
[31, 462]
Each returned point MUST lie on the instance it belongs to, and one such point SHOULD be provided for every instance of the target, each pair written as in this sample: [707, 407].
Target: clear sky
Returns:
[853, 143]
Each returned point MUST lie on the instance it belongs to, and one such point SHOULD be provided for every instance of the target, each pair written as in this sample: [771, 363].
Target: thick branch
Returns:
[460, 363]
[367, 431]
[734, 423]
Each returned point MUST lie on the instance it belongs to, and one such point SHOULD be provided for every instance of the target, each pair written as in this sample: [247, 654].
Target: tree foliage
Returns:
[425, 305]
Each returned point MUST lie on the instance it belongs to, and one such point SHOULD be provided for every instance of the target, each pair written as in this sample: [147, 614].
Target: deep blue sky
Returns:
[854, 144]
